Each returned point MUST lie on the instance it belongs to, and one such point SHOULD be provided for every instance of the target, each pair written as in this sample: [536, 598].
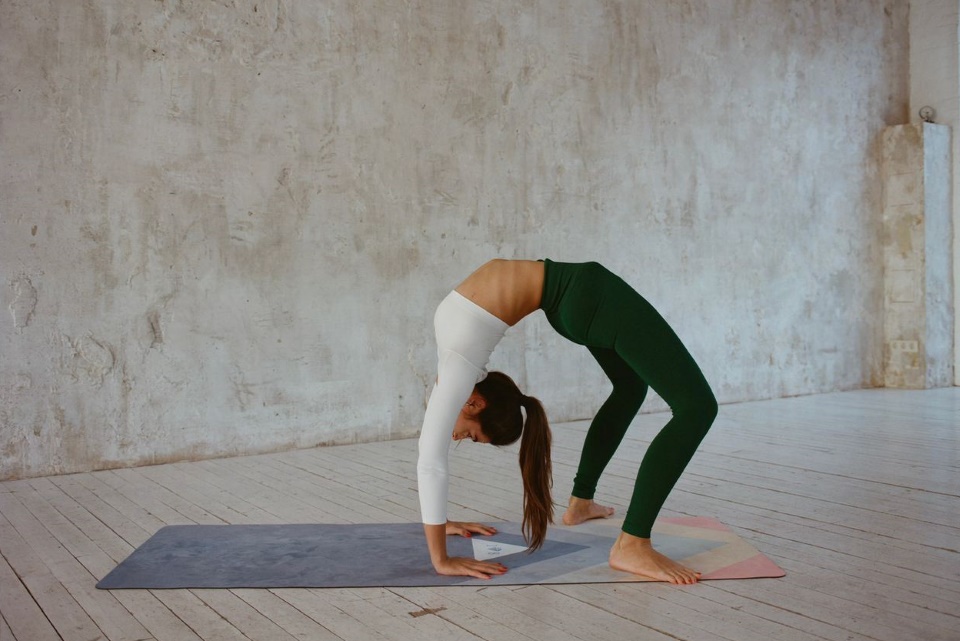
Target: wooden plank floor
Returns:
[856, 495]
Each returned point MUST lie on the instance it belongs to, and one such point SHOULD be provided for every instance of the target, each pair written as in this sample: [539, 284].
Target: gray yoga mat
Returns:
[365, 555]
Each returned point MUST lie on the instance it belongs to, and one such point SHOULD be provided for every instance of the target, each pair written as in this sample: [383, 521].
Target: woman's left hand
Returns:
[467, 529]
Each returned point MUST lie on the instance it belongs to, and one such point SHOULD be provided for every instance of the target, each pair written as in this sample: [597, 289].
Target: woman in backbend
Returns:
[634, 346]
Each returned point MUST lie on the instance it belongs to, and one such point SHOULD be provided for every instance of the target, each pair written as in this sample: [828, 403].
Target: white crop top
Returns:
[466, 336]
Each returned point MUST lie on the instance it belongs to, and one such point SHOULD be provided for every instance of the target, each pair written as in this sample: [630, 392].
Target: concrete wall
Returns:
[935, 82]
[224, 226]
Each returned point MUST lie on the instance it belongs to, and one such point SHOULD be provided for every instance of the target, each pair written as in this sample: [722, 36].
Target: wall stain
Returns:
[24, 302]
[88, 359]
[156, 330]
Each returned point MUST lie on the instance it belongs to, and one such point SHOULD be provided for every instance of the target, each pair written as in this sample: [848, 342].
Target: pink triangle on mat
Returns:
[756, 567]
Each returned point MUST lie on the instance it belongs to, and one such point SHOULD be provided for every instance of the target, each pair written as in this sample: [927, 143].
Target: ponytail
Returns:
[502, 422]
[535, 467]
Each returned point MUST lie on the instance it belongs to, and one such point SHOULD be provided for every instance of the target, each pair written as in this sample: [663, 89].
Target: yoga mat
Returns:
[395, 555]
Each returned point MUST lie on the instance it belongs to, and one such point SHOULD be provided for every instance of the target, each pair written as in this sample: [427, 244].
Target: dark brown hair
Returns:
[502, 422]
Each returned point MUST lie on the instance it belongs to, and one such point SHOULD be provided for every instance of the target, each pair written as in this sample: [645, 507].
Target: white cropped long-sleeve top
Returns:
[466, 336]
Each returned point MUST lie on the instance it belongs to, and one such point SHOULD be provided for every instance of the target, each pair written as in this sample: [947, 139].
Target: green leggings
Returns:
[591, 306]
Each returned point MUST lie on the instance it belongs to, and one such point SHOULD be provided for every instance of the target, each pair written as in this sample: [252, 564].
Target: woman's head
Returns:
[502, 422]
[500, 417]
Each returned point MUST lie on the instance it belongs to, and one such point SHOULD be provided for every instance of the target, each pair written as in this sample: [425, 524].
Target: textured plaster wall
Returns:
[938, 285]
[224, 225]
[935, 82]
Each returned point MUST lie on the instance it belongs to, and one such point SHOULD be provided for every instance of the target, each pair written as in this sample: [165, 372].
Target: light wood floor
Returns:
[856, 495]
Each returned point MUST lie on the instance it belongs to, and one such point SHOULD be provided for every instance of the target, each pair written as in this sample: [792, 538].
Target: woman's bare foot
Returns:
[581, 510]
[637, 556]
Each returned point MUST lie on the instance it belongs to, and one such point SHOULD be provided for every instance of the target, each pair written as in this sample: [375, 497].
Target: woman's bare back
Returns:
[508, 289]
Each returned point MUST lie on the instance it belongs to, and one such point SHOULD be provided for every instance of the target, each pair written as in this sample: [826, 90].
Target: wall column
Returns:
[918, 283]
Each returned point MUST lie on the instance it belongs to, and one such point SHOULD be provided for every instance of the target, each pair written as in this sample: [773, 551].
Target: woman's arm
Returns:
[455, 383]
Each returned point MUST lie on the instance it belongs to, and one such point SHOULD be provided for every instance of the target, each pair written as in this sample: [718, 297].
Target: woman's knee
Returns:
[707, 409]
[698, 409]
[710, 407]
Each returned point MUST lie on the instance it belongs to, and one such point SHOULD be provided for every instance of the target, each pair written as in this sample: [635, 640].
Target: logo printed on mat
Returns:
[486, 550]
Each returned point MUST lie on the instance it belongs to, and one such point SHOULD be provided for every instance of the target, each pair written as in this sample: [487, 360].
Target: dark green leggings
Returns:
[591, 306]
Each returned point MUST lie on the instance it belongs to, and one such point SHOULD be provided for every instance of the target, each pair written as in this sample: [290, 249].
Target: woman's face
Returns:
[468, 425]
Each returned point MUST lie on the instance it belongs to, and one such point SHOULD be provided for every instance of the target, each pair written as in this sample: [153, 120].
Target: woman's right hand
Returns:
[463, 566]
